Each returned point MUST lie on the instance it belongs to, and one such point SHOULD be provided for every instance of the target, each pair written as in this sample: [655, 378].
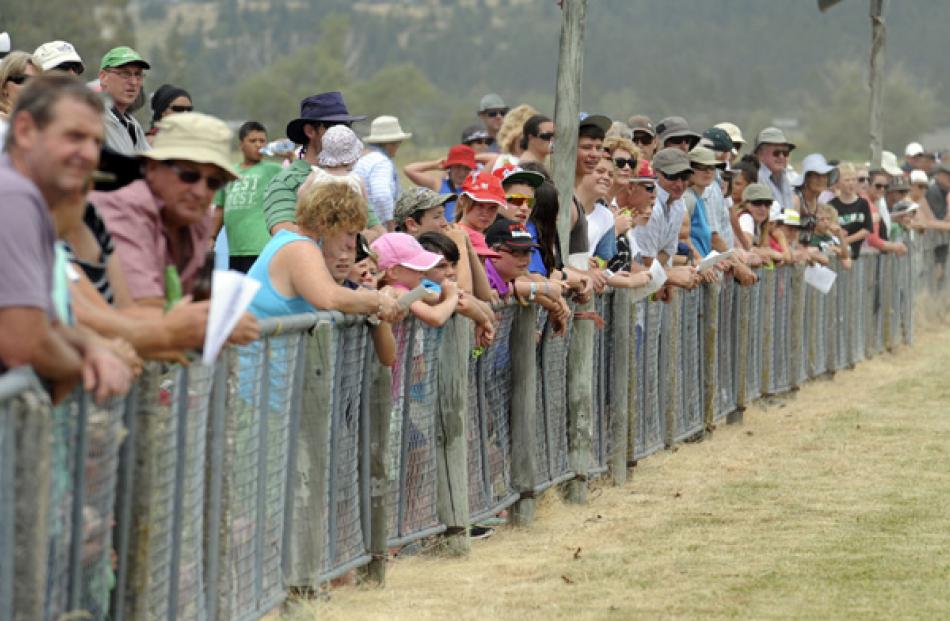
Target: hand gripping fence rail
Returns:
[208, 492]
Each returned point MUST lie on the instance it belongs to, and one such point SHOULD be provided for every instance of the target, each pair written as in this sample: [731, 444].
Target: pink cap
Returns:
[403, 249]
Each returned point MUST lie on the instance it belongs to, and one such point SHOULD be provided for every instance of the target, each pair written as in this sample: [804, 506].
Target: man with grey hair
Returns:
[772, 149]
[491, 112]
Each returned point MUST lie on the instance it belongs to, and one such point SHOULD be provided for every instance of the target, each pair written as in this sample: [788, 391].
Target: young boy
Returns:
[405, 263]
[420, 210]
[825, 239]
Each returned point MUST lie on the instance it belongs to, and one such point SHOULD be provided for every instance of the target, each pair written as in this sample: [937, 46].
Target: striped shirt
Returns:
[280, 198]
[382, 184]
[95, 271]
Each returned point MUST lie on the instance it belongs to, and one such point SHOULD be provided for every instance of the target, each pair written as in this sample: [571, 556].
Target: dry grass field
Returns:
[832, 503]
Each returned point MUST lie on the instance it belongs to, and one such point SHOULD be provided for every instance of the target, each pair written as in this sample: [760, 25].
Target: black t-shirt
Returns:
[937, 199]
[853, 217]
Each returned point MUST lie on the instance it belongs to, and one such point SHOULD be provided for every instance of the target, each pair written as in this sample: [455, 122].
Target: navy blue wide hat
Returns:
[323, 107]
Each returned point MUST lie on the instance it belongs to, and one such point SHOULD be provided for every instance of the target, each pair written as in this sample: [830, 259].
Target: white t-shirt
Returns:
[599, 221]
[747, 224]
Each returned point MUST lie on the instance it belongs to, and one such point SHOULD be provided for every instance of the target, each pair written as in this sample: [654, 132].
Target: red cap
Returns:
[460, 155]
[480, 246]
[484, 187]
[644, 172]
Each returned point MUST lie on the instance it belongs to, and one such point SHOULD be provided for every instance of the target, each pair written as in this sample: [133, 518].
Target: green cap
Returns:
[122, 55]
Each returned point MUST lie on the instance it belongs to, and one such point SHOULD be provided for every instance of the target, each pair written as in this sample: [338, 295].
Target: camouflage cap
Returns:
[418, 199]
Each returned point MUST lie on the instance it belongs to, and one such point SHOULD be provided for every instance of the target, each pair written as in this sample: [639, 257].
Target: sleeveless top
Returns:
[447, 188]
[269, 302]
[577, 241]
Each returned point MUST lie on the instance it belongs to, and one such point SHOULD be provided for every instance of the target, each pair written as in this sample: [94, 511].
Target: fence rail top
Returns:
[17, 381]
[274, 326]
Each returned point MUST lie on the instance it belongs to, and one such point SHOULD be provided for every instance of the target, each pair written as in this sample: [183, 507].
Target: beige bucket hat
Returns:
[193, 137]
[385, 129]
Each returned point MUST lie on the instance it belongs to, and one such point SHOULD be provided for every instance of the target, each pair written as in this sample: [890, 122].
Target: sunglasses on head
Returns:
[680, 176]
[781, 152]
[520, 199]
[494, 113]
[181, 108]
[18, 79]
[546, 136]
[630, 163]
[192, 176]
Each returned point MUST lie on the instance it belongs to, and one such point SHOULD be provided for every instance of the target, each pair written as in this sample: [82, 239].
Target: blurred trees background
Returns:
[429, 61]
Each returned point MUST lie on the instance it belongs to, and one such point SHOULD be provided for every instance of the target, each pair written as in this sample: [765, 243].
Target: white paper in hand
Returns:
[657, 280]
[231, 295]
[714, 258]
[820, 277]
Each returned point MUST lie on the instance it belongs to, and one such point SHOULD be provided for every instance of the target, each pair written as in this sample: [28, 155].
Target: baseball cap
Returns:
[597, 120]
[492, 101]
[511, 174]
[671, 161]
[402, 249]
[418, 199]
[898, 184]
[645, 172]
[918, 176]
[718, 140]
[460, 155]
[676, 127]
[913, 149]
[773, 135]
[122, 55]
[704, 156]
[473, 133]
[55, 53]
[735, 134]
[757, 192]
[511, 234]
[903, 206]
[641, 123]
[790, 217]
[484, 187]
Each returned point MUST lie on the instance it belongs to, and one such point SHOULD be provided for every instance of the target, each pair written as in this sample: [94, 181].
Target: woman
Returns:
[291, 269]
[625, 156]
[168, 99]
[816, 173]
[457, 165]
[537, 139]
[758, 228]
[509, 134]
[15, 70]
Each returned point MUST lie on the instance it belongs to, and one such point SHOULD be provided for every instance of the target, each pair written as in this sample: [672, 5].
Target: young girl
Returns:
[757, 226]
[404, 264]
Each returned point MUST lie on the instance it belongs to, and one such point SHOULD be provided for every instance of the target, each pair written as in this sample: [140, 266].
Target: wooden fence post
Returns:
[633, 373]
[380, 409]
[670, 352]
[580, 395]
[452, 498]
[795, 297]
[744, 308]
[524, 412]
[711, 295]
[621, 349]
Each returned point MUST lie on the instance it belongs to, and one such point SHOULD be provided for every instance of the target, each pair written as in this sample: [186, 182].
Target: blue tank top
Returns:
[269, 302]
[449, 206]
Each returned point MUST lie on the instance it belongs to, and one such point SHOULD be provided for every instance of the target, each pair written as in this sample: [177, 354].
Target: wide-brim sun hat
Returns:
[340, 147]
[193, 137]
[676, 127]
[773, 135]
[323, 107]
[889, 164]
[757, 192]
[385, 129]
[814, 163]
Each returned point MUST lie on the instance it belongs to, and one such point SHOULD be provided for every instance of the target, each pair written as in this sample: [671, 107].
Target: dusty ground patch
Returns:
[829, 504]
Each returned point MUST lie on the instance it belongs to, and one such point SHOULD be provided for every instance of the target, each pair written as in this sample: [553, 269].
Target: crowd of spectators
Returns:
[109, 229]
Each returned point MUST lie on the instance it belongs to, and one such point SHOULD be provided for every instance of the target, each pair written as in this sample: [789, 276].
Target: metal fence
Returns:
[209, 491]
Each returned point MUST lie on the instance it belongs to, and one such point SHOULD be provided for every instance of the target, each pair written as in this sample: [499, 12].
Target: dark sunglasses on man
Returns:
[192, 176]
[496, 112]
[181, 108]
[680, 176]
[642, 138]
[484, 141]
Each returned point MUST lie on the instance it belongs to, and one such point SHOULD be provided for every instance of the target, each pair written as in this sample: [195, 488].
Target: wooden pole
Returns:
[452, 499]
[622, 349]
[876, 124]
[380, 409]
[795, 298]
[580, 404]
[524, 412]
[567, 107]
[710, 334]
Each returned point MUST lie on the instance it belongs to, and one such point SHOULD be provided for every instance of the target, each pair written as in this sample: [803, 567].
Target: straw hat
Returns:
[385, 129]
[193, 137]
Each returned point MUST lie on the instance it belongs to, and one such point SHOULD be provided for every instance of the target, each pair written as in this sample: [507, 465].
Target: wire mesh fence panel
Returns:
[496, 379]
[726, 348]
[653, 427]
[60, 527]
[855, 314]
[690, 351]
[760, 322]
[7, 507]
[413, 485]
[103, 433]
[599, 422]
[906, 286]
[780, 377]
[551, 427]
[817, 322]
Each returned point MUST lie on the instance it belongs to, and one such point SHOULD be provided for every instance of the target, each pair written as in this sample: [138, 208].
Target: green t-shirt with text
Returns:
[243, 201]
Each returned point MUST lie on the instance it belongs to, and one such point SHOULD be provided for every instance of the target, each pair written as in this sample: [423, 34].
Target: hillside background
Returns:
[753, 62]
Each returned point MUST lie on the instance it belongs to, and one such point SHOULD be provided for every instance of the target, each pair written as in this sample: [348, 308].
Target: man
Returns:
[674, 131]
[590, 141]
[936, 213]
[772, 149]
[491, 112]
[658, 239]
[161, 225]
[377, 168]
[121, 74]
[913, 154]
[240, 204]
[318, 113]
[644, 135]
[59, 55]
[477, 137]
[52, 149]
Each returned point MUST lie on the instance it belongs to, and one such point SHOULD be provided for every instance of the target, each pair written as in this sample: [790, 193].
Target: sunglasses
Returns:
[181, 108]
[677, 140]
[880, 186]
[701, 167]
[863, 179]
[18, 79]
[680, 176]
[495, 113]
[483, 141]
[649, 187]
[630, 163]
[762, 203]
[546, 136]
[781, 152]
[191, 176]
[520, 199]
[71, 67]
[642, 138]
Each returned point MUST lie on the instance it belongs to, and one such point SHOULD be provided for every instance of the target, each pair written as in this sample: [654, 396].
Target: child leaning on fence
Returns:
[827, 236]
